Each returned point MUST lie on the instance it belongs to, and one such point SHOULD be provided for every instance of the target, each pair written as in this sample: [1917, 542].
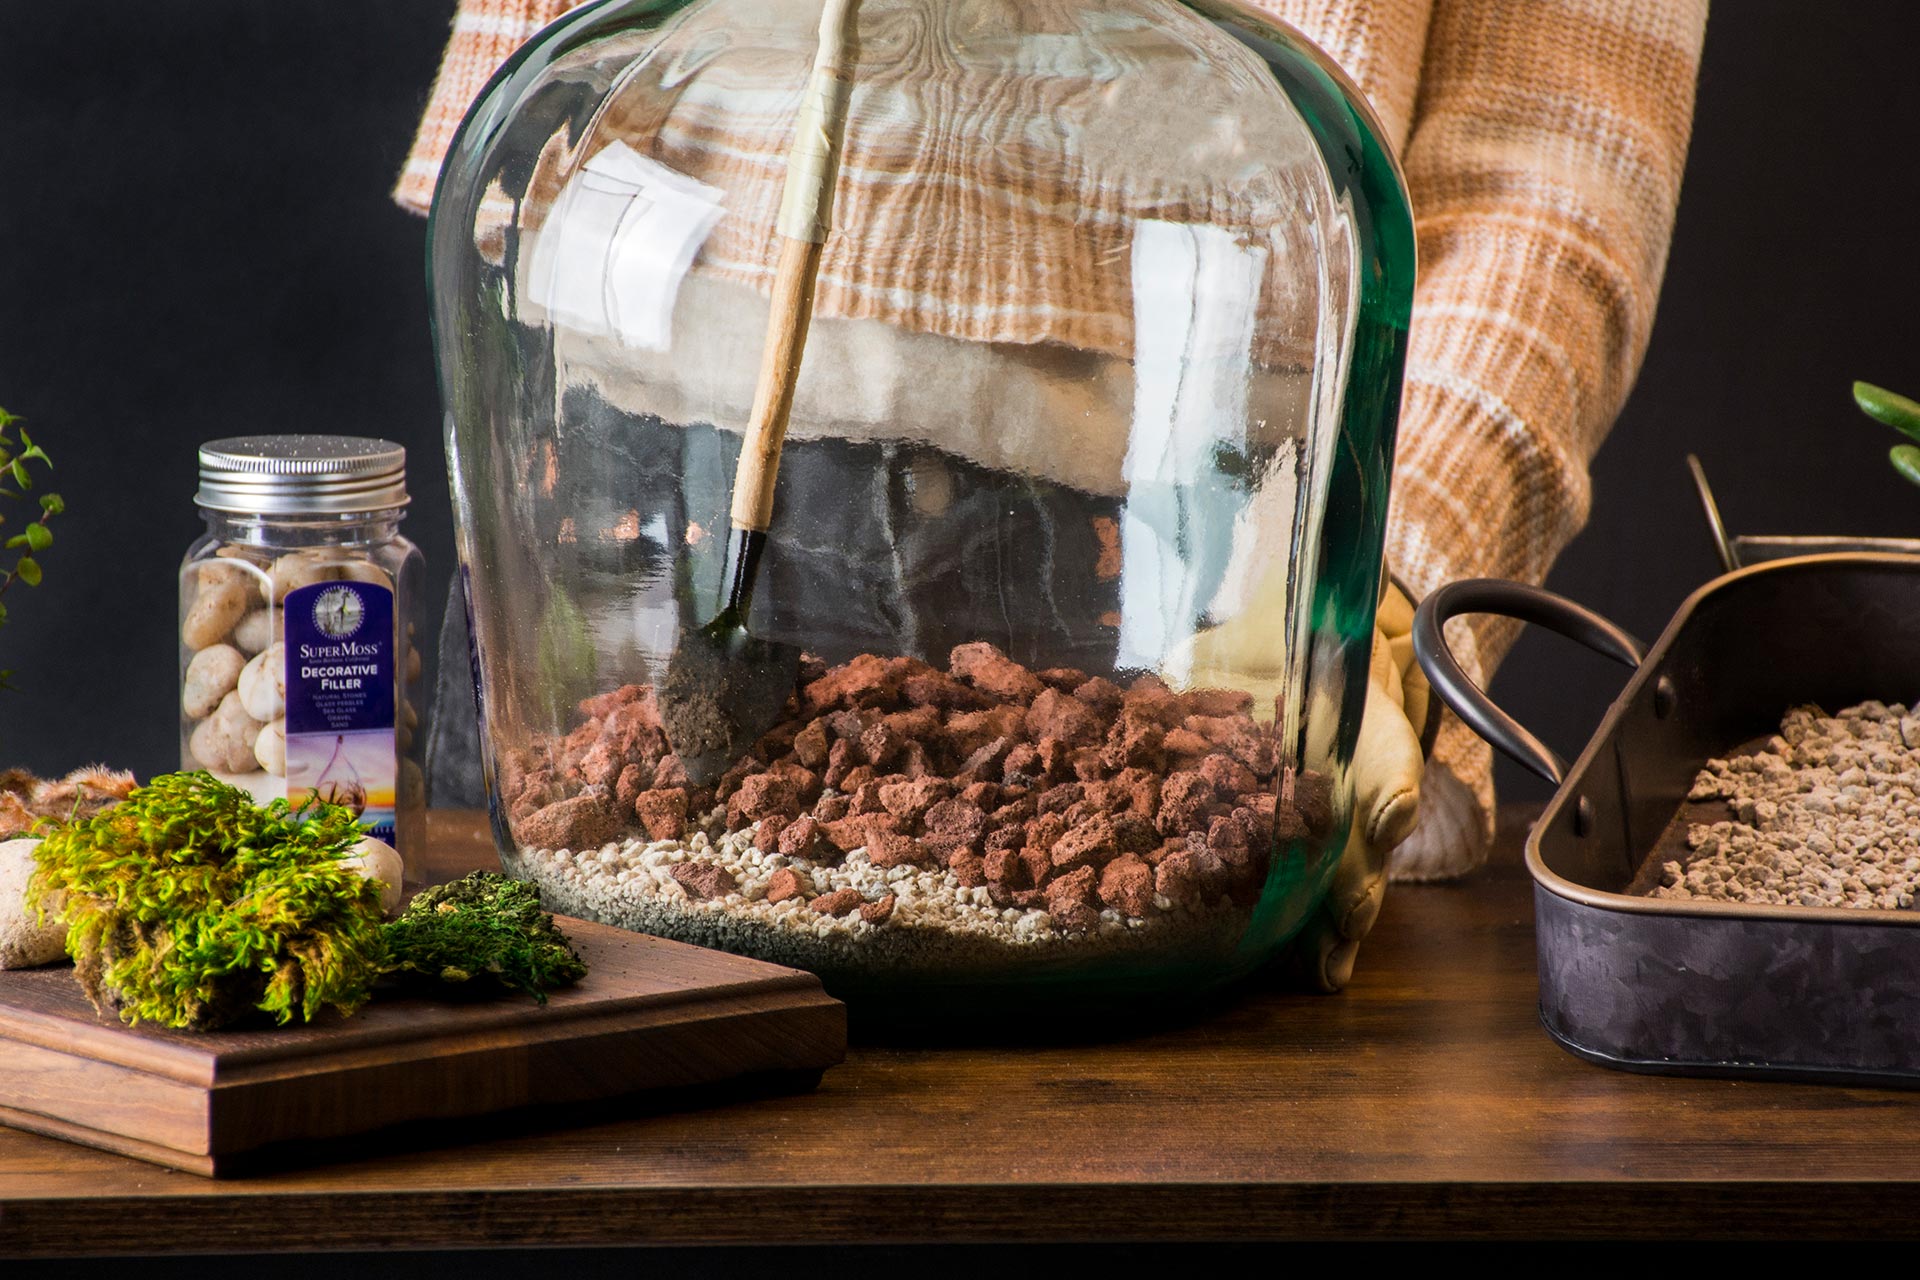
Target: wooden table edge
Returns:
[602, 1217]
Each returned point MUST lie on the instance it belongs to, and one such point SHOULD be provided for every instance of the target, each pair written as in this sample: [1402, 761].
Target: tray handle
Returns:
[1528, 604]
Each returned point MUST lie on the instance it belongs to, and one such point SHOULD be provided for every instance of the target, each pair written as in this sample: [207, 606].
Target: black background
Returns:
[196, 241]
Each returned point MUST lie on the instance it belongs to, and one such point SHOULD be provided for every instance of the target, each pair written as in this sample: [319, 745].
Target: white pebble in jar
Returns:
[299, 569]
[215, 609]
[238, 730]
[270, 748]
[364, 571]
[257, 630]
[262, 684]
[228, 572]
[213, 673]
[224, 741]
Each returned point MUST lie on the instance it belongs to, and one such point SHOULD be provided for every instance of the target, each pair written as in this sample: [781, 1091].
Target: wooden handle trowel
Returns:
[725, 687]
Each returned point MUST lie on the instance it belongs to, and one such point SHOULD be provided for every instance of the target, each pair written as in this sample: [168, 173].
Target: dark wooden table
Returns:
[1423, 1102]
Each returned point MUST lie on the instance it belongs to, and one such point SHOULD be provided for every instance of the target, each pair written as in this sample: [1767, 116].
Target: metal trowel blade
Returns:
[724, 688]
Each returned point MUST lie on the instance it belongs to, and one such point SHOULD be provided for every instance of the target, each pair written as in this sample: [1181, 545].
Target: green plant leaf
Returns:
[1906, 460]
[1896, 411]
[20, 477]
[52, 504]
[38, 537]
[3, 614]
[16, 542]
[29, 571]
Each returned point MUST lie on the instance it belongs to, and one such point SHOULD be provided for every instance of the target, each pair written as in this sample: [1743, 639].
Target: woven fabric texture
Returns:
[1543, 145]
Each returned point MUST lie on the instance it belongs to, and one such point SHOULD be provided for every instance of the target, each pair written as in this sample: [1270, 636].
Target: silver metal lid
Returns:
[302, 475]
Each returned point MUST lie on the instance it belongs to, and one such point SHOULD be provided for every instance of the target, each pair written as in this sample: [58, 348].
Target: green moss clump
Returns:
[190, 905]
[486, 929]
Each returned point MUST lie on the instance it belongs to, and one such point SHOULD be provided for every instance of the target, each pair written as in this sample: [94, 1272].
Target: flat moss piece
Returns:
[484, 929]
[192, 906]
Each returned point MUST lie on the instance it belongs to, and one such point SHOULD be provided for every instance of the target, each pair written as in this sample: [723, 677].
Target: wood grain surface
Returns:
[1424, 1101]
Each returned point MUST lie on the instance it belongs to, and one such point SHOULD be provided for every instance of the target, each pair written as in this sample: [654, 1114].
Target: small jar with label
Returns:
[300, 665]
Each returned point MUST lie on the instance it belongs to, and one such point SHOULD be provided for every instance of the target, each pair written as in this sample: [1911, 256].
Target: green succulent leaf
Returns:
[20, 476]
[37, 537]
[52, 504]
[1906, 460]
[28, 571]
[1896, 411]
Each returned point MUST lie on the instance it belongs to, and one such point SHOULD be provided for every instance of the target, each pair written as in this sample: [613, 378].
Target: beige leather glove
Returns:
[1388, 762]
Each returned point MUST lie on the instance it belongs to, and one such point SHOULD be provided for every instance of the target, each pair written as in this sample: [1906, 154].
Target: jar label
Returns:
[340, 700]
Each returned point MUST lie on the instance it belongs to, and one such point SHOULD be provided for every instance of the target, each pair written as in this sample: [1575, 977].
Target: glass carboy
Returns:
[1039, 677]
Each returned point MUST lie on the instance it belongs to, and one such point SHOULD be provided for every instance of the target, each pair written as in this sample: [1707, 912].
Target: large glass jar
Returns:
[1077, 528]
[300, 668]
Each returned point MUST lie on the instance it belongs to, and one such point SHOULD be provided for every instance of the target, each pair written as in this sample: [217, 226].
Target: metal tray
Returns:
[1689, 988]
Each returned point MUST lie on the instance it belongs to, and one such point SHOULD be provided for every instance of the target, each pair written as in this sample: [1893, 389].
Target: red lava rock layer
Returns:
[1052, 788]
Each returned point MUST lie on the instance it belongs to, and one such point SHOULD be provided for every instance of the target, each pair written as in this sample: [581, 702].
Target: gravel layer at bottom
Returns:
[936, 926]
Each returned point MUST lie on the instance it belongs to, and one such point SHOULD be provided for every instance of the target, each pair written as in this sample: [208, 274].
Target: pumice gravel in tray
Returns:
[1825, 813]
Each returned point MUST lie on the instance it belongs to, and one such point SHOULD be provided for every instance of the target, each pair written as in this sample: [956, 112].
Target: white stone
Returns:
[25, 943]
[377, 860]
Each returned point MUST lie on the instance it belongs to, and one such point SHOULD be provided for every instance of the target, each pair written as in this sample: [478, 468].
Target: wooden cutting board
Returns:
[650, 1014]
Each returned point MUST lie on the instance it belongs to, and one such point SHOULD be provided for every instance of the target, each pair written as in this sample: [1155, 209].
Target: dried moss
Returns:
[485, 931]
[190, 905]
